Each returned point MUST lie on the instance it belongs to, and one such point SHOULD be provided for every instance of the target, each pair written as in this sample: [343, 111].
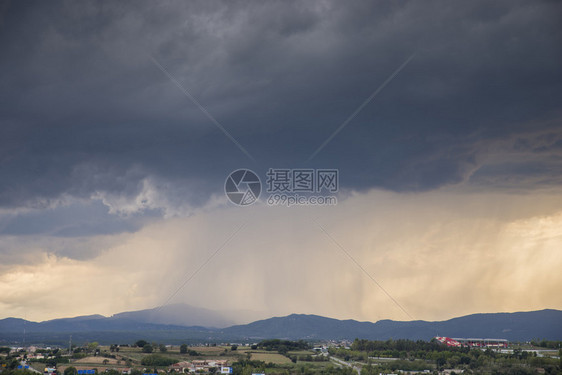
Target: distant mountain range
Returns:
[520, 326]
[181, 314]
[183, 323]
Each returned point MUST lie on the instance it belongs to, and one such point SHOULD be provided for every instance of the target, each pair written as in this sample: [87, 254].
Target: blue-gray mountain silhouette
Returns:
[149, 324]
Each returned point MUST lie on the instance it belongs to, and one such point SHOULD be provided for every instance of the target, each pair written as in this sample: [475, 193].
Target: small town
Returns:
[441, 356]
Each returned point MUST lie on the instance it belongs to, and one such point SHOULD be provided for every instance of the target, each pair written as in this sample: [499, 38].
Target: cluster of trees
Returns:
[157, 360]
[394, 366]
[397, 345]
[421, 355]
[185, 350]
[9, 363]
[361, 350]
[547, 344]
[306, 358]
[53, 360]
[9, 371]
[485, 365]
[248, 367]
[283, 346]
[151, 347]
[146, 347]
[310, 358]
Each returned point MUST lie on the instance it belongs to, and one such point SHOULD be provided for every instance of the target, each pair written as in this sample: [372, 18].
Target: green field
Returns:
[272, 357]
[213, 352]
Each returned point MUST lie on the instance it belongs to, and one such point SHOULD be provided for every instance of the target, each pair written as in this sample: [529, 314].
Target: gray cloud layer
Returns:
[86, 114]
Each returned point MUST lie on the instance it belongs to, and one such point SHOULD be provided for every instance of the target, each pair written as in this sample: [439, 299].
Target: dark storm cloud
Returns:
[73, 220]
[86, 113]
[110, 173]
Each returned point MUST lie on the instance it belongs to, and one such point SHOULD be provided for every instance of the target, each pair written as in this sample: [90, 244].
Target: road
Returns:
[347, 364]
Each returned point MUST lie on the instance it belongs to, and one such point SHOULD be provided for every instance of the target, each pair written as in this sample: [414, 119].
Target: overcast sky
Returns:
[120, 122]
